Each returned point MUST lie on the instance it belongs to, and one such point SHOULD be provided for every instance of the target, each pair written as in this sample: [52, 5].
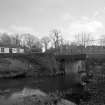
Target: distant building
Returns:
[21, 50]
[4, 50]
[15, 50]
[34, 50]
[11, 50]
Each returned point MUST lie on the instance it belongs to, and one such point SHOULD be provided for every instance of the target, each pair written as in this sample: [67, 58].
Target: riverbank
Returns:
[61, 86]
[35, 97]
[13, 66]
[10, 67]
[96, 87]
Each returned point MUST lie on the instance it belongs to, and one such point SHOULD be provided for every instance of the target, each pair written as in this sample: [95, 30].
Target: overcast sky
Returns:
[41, 16]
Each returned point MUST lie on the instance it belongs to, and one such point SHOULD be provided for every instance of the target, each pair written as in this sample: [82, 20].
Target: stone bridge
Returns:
[68, 63]
[72, 63]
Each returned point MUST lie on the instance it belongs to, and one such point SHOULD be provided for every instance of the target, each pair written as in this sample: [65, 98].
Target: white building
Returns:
[4, 50]
[11, 50]
[14, 50]
[21, 50]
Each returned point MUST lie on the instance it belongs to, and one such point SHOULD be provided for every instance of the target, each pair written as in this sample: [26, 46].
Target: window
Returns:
[10, 50]
[2, 50]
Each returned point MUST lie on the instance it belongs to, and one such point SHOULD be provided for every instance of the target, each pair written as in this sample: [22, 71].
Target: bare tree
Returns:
[16, 40]
[45, 41]
[56, 38]
[83, 39]
[28, 40]
[102, 40]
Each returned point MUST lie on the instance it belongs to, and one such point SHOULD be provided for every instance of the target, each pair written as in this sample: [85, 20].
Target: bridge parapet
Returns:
[71, 57]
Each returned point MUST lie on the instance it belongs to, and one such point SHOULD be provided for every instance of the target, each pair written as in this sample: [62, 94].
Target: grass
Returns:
[97, 89]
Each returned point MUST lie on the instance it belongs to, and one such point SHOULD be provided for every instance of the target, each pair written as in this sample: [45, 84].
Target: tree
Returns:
[73, 44]
[37, 45]
[16, 40]
[28, 40]
[56, 38]
[45, 41]
[83, 39]
[5, 39]
[102, 40]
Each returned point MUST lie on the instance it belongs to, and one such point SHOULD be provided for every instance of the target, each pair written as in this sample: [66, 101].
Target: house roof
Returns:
[11, 46]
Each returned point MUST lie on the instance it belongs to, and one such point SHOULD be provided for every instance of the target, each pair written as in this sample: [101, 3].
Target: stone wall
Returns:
[74, 67]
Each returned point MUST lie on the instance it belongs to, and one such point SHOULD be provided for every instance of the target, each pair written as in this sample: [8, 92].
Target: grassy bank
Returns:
[27, 65]
[96, 87]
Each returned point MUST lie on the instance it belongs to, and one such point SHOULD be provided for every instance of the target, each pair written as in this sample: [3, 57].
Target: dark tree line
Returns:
[19, 40]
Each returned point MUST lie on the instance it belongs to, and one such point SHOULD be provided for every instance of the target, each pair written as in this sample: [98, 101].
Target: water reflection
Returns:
[45, 83]
[17, 96]
[13, 90]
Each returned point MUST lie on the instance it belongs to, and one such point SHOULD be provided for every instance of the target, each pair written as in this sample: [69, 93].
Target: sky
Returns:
[39, 17]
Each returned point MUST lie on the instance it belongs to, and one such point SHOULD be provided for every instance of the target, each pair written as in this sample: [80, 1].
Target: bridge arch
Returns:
[72, 63]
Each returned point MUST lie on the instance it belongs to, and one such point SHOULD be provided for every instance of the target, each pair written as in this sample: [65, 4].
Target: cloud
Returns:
[84, 18]
[21, 29]
[85, 26]
[2, 30]
[97, 13]
[82, 24]
[67, 17]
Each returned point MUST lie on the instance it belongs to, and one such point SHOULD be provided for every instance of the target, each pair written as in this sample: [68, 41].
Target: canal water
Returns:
[9, 87]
